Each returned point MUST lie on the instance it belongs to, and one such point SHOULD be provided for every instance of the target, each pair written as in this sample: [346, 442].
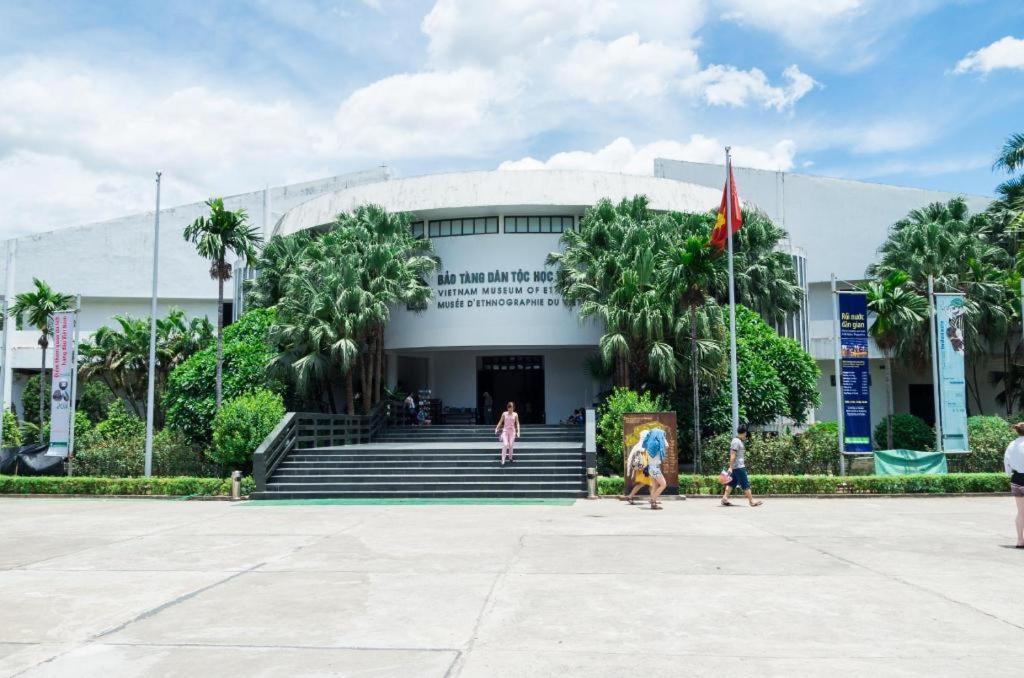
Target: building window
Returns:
[417, 229]
[557, 224]
[443, 228]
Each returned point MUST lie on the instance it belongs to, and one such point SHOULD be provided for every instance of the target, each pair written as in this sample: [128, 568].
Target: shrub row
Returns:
[178, 487]
[953, 483]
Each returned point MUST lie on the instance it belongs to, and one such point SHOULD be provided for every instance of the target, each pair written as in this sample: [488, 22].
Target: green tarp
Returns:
[907, 462]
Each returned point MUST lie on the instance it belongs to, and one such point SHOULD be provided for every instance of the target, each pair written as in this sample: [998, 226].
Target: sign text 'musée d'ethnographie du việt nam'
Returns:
[515, 287]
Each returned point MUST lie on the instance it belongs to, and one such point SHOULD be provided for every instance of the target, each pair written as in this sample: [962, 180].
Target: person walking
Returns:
[508, 426]
[738, 469]
[656, 447]
[1013, 464]
[410, 409]
[637, 463]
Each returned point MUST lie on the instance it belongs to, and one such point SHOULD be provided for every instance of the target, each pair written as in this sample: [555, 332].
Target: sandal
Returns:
[656, 507]
[631, 500]
[726, 502]
[756, 503]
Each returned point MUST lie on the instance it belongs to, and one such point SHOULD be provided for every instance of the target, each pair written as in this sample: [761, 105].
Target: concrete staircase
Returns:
[439, 462]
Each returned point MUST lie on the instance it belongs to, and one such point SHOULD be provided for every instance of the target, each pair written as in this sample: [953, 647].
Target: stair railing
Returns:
[305, 430]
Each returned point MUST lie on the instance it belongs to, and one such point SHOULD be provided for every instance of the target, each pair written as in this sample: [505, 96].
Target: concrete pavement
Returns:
[843, 587]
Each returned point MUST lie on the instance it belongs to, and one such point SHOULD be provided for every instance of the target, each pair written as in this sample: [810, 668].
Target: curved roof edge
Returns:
[499, 188]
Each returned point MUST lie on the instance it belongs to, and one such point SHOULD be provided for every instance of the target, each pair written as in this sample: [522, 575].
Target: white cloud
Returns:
[1007, 52]
[622, 69]
[621, 155]
[721, 85]
[847, 33]
[429, 113]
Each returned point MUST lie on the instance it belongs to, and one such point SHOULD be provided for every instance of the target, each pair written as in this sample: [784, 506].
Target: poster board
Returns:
[633, 424]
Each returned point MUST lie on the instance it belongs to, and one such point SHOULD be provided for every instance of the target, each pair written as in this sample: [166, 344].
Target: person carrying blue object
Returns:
[656, 446]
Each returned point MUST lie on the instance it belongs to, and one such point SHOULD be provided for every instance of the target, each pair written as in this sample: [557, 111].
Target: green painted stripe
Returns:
[414, 502]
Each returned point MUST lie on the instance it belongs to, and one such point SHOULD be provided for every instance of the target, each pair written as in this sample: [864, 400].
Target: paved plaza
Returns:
[838, 587]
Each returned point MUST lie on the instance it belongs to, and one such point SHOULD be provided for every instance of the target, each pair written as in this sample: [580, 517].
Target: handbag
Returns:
[725, 477]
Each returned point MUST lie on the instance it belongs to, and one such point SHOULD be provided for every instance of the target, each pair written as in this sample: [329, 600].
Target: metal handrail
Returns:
[305, 430]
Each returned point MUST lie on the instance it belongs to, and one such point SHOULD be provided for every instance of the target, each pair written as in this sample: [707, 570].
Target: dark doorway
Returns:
[922, 402]
[519, 378]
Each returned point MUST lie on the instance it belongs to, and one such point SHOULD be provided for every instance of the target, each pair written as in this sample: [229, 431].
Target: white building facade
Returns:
[495, 323]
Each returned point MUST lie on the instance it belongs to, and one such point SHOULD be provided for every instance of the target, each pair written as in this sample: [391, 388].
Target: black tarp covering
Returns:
[30, 460]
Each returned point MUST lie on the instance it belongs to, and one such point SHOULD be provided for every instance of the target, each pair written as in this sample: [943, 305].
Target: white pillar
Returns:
[391, 373]
[9, 292]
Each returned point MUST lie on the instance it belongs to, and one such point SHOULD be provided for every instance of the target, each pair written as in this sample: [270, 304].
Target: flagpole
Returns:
[732, 293]
[150, 396]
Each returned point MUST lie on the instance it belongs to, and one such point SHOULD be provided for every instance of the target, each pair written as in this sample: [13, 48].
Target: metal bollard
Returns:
[236, 485]
[591, 483]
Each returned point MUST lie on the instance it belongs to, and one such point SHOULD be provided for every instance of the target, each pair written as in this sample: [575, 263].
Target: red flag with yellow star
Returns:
[719, 235]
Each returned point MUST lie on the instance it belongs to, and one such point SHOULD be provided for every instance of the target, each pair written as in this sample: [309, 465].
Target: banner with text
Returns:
[853, 367]
[950, 311]
[61, 407]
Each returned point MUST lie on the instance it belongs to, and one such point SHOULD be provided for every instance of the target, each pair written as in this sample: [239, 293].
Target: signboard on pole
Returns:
[61, 397]
[949, 312]
[855, 384]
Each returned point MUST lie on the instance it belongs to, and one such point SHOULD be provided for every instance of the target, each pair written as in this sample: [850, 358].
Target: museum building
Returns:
[495, 323]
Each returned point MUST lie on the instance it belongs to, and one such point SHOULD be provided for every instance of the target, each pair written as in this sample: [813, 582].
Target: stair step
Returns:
[428, 478]
[423, 494]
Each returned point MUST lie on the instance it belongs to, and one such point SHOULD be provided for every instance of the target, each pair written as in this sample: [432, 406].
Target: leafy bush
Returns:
[190, 399]
[789, 388]
[908, 433]
[125, 457]
[609, 424]
[120, 424]
[30, 433]
[819, 448]
[173, 455]
[12, 434]
[953, 483]
[94, 400]
[987, 438]
[181, 486]
[242, 424]
[30, 400]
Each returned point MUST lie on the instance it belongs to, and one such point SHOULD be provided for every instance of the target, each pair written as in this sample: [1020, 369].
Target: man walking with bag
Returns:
[738, 469]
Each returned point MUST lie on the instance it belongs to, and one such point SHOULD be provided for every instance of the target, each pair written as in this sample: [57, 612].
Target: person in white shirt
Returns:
[1013, 464]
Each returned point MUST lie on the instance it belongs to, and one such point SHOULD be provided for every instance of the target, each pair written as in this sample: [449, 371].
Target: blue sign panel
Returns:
[853, 366]
[949, 312]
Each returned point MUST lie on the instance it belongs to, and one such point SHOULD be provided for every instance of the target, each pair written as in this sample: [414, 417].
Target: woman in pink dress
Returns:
[508, 425]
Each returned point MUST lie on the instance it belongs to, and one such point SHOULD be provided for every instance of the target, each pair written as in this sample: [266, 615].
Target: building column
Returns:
[8, 355]
[391, 371]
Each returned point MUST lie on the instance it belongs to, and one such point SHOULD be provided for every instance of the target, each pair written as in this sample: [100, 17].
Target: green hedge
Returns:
[953, 483]
[217, 487]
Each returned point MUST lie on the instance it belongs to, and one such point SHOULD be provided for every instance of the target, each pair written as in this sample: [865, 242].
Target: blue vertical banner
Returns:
[853, 366]
[949, 321]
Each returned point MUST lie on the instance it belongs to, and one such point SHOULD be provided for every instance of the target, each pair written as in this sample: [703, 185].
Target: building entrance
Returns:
[519, 378]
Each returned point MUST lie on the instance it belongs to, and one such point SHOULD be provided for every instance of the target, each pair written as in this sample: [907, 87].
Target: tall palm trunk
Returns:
[43, 343]
[696, 389]
[371, 395]
[381, 365]
[350, 398]
[365, 373]
[220, 328]
[888, 396]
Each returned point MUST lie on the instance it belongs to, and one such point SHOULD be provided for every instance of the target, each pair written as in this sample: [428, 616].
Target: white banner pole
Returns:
[3, 370]
[74, 383]
[151, 391]
[839, 377]
[935, 363]
[732, 294]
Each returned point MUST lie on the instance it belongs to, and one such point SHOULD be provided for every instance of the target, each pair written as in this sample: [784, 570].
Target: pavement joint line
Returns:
[23, 566]
[905, 582]
[273, 646]
[171, 603]
[456, 667]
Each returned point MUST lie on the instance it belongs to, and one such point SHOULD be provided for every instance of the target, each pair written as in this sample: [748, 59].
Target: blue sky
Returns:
[226, 97]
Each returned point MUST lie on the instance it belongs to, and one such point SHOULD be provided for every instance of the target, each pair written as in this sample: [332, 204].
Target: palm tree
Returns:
[697, 274]
[279, 256]
[36, 307]
[898, 313]
[959, 251]
[222, 233]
